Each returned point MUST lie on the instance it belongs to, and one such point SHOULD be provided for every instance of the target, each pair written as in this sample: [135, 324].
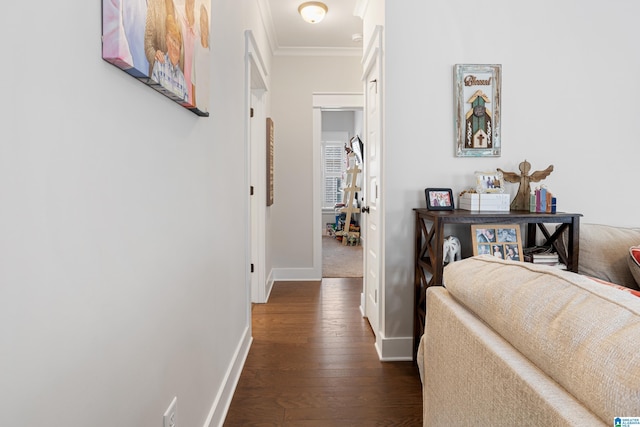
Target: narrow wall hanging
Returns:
[270, 165]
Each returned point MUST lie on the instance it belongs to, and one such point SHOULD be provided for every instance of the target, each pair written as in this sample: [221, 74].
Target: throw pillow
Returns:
[634, 262]
[613, 285]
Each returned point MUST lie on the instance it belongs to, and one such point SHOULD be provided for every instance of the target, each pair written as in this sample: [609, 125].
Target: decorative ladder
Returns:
[348, 200]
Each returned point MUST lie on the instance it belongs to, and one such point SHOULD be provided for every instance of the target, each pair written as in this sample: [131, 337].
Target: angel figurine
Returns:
[521, 201]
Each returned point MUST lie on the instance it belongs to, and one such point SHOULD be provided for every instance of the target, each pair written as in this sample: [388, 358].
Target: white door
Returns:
[372, 215]
[257, 199]
[255, 134]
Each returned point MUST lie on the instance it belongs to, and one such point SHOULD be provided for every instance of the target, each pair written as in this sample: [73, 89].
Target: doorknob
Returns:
[365, 209]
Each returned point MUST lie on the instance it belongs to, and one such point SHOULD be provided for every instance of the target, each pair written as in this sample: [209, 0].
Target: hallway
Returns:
[313, 363]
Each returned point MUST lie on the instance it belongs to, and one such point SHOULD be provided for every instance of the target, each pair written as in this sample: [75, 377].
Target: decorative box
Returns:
[485, 202]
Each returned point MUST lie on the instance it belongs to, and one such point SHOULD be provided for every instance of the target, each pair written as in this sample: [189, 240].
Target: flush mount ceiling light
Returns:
[313, 11]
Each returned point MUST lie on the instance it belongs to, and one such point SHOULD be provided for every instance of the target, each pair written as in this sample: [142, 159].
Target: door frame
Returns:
[255, 93]
[325, 102]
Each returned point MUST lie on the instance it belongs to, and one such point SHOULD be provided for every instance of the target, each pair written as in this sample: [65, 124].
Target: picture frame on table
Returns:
[439, 199]
[500, 240]
[477, 93]
[491, 182]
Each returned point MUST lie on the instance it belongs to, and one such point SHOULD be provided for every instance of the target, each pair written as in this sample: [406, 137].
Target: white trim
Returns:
[338, 101]
[374, 48]
[396, 349]
[267, 23]
[255, 58]
[269, 285]
[222, 401]
[296, 274]
[360, 8]
[277, 50]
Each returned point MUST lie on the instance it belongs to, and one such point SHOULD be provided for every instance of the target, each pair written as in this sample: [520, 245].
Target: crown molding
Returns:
[269, 27]
[277, 50]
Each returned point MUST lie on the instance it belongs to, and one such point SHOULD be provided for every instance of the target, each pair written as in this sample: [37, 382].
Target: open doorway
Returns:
[341, 185]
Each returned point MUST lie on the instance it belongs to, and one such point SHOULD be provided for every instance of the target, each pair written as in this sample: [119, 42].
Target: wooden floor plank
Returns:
[313, 363]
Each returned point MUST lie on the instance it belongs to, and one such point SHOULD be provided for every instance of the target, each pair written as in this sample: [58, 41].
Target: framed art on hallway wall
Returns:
[164, 44]
[270, 149]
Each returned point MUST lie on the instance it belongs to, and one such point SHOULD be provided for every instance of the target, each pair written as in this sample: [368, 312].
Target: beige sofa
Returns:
[518, 344]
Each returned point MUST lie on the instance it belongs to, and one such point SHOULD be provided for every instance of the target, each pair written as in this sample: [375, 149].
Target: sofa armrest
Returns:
[475, 377]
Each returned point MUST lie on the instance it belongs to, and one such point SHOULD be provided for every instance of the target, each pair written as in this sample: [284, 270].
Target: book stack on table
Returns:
[541, 255]
[548, 259]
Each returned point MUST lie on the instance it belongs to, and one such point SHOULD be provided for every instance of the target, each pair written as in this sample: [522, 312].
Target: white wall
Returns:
[294, 80]
[569, 97]
[339, 121]
[123, 223]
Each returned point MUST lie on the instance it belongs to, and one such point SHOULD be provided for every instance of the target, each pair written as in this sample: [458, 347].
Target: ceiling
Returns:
[289, 33]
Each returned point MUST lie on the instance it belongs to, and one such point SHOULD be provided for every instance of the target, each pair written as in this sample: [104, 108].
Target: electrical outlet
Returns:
[171, 414]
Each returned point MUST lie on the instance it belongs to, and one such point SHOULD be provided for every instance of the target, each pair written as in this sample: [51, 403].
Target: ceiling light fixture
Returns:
[313, 11]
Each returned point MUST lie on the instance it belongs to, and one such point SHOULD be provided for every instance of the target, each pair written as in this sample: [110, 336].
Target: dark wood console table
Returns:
[429, 239]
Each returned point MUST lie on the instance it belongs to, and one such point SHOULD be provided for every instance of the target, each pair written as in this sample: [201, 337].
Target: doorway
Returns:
[326, 103]
[341, 130]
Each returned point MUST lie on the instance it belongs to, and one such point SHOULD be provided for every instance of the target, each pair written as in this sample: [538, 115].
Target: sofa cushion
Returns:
[580, 333]
[634, 263]
[604, 251]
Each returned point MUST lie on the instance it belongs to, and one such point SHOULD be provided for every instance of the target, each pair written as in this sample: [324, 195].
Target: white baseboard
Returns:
[221, 403]
[296, 274]
[395, 349]
[269, 286]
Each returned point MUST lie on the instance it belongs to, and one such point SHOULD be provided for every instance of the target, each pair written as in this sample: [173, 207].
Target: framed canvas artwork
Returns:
[162, 43]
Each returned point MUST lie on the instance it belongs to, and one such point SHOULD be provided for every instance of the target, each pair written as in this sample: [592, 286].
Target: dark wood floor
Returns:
[313, 363]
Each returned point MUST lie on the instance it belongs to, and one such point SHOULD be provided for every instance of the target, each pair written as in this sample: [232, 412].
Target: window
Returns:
[333, 165]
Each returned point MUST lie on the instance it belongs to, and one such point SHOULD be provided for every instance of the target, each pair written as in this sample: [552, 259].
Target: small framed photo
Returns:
[490, 182]
[500, 240]
[439, 199]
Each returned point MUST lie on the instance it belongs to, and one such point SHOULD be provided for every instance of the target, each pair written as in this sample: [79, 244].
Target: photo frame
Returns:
[439, 199]
[270, 149]
[490, 182]
[500, 240]
[477, 93]
[135, 34]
